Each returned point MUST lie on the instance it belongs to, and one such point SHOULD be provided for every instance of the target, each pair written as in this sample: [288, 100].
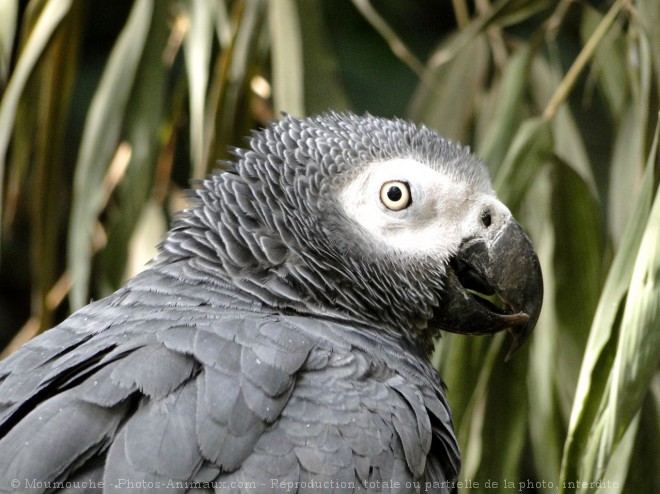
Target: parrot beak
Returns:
[494, 283]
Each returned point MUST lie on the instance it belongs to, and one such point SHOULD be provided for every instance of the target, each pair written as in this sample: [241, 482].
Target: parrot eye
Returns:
[395, 195]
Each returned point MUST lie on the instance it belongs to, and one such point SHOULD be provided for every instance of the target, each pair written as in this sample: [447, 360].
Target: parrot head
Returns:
[434, 213]
[374, 221]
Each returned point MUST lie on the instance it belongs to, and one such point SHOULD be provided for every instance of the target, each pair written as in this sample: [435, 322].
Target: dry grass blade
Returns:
[611, 78]
[53, 84]
[8, 16]
[476, 27]
[582, 59]
[396, 44]
[230, 97]
[51, 16]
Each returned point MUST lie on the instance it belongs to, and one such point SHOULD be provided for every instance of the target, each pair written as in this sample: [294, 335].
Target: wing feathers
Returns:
[215, 394]
[52, 439]
[155, 370]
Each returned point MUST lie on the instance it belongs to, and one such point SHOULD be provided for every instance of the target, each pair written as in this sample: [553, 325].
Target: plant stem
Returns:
[580, 62]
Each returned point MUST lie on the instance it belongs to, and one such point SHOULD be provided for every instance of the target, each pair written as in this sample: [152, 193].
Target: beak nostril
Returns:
[486, 218]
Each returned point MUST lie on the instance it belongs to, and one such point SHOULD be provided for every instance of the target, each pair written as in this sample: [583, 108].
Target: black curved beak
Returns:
[495, 283]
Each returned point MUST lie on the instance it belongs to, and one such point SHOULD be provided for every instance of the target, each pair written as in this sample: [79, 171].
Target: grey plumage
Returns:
[273, 343]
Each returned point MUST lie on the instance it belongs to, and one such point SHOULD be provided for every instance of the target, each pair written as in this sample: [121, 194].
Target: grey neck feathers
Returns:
[271, 228]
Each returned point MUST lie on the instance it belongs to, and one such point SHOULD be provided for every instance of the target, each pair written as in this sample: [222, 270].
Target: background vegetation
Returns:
[108, 109]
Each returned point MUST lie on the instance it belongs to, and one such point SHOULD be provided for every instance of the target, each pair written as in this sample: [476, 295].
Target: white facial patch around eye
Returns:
[434, 220]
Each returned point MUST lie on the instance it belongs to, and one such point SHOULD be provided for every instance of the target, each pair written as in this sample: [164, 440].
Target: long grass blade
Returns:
[396, 44]
[611, 78]
[637, 355]
[99, 142]
[50, 18]
[647, 15]
[49, 113]
[509, 97]
[197, 48]
[631, 138]
[440, 100]
[531, 147]
[8, 16]
[287, 58]
[142, 129]
[231, 80]
[594, 377]
[322, 74]
[582, 59]
[644, 476]
[545, 432]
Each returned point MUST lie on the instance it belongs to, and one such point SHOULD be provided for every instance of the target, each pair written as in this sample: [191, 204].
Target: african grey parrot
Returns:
[279, 341]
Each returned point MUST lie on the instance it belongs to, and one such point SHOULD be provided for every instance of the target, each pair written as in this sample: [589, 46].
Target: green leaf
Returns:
[142, 131]
[626, 170]
[99, 142]
[637, 354]
[48, 114]
[322, 75]
[287, 58]
[48, 21]
[569, 146]
[465, 364]
[644, 476]
[599, 355]
[544, 418]
[563, 221]
[440, 100]
[649, 19]
[617, 469]
[197, 48]
[530, 149]
[609, 65]
[630, 144]
[578, 253]
[498, 444]
[509, 97]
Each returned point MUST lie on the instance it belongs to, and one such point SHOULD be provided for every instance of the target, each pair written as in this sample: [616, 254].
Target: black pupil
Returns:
[394, 193]
[486, 218]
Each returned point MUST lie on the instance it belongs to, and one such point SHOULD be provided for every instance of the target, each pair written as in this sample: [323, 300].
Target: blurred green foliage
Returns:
[108, 109]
